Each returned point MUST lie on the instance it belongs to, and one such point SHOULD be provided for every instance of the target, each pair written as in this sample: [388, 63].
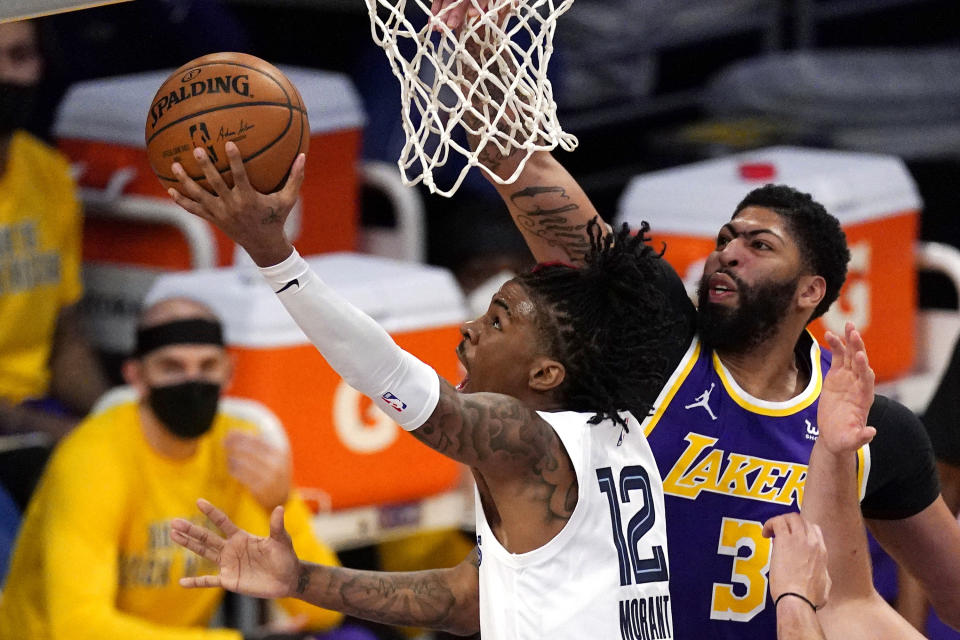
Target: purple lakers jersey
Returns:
[729, 462]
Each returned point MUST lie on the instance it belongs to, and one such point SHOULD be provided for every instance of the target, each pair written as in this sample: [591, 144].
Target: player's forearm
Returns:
[354, 345]
[546, 203]
[796, 620]
[831, 500]
[428, 599]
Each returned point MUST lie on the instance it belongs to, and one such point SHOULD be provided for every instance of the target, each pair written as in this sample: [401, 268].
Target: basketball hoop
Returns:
[478, 77]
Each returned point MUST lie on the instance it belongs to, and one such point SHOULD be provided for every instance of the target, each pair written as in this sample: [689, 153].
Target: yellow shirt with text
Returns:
[94, 559]
[40, 228]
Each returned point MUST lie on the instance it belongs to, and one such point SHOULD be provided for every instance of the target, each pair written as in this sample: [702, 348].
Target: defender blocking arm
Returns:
[855, 609]
[546, 203]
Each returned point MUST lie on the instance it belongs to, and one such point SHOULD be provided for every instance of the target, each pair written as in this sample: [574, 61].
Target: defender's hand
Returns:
[847, 395]
[453, 13]
[252, 219]
[254, 566]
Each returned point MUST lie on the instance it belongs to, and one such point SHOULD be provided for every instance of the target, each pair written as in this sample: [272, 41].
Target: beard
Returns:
[760, 310]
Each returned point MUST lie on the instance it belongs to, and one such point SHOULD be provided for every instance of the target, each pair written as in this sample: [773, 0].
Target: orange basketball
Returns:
[222, 97]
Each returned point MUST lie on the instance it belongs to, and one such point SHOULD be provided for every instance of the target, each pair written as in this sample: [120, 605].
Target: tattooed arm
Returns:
[445, 599]
[546, 203]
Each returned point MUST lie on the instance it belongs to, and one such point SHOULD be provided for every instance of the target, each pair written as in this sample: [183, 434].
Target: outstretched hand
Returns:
[254, 566]
[847, 395]
[252, 219]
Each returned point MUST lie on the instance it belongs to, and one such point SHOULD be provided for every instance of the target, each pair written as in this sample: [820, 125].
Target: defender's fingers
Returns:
[200, 581]
[214, 179]
[452, 13]
[841, 350]
[834, 342]
[217, 517]
[857, 345]
[235, 158]
[862, 367]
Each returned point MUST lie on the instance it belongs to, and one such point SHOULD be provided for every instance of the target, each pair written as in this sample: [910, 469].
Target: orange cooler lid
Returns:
[697, 199]
[400, 296]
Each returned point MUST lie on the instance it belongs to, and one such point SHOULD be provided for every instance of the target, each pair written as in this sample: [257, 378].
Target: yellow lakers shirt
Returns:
[40, 227]
[94, 558]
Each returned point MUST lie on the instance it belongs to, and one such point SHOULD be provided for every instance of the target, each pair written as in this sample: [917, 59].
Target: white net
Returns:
[490, 77]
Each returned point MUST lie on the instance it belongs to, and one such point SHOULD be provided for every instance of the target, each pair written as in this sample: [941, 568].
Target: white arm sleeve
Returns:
[357, 348]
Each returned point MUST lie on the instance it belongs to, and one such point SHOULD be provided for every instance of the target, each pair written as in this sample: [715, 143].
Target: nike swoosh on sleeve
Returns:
[295, 281]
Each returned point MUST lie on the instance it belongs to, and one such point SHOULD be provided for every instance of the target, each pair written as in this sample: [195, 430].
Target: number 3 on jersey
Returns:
[632, 567]
[748, 570]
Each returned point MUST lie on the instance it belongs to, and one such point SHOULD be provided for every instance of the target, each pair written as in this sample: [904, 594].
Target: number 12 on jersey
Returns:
[633, 568]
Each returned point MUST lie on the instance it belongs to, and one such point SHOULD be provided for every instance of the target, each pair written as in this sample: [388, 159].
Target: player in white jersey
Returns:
[614, 545]
[572, 539]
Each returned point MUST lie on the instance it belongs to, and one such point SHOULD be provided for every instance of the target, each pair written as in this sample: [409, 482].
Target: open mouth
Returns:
[464, 372]
[721, 287]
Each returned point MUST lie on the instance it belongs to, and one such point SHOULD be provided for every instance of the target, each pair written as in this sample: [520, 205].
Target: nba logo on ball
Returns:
[227, 97]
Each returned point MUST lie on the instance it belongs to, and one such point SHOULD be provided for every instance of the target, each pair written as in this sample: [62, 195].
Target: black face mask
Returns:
[16, 106]
[186, 409]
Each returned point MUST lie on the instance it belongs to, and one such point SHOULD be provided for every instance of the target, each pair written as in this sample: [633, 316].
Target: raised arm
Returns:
[493, 433]
[444, 599]
[855, 609]
[546, 203]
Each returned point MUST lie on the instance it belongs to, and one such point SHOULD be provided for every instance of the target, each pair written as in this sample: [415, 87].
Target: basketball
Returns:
[225, 97]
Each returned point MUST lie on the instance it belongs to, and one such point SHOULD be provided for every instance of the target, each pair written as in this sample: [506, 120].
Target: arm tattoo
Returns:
[542, 213]
[303, 580]
[499, 435]
[404, 599]
[440, 599]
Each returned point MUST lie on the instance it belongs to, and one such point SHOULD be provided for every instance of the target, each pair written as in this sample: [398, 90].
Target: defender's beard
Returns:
[759, 311]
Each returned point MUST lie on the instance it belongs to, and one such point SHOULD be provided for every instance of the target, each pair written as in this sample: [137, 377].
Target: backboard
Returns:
[19, 9]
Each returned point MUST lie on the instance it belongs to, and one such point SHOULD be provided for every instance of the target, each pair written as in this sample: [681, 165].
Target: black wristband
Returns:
[791, 593]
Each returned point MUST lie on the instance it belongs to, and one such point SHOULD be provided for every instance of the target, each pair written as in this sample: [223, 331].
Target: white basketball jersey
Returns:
[604, 576]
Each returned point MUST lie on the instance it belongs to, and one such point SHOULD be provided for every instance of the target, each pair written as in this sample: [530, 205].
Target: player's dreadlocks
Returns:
[608, 323]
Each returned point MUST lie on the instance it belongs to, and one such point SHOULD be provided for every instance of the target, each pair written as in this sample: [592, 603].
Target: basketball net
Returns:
[479, 77]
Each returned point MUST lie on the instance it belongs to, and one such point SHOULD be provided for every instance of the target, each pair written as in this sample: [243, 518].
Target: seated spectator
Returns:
[99, 522]
[49, 375]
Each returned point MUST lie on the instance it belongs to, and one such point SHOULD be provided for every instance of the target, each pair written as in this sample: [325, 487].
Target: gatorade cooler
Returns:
[347, 452]
[873, 196]
[100, 127]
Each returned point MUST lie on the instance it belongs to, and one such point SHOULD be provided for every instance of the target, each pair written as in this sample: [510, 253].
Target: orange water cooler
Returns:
[873, 196]
[133, 231]
[347, 453]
